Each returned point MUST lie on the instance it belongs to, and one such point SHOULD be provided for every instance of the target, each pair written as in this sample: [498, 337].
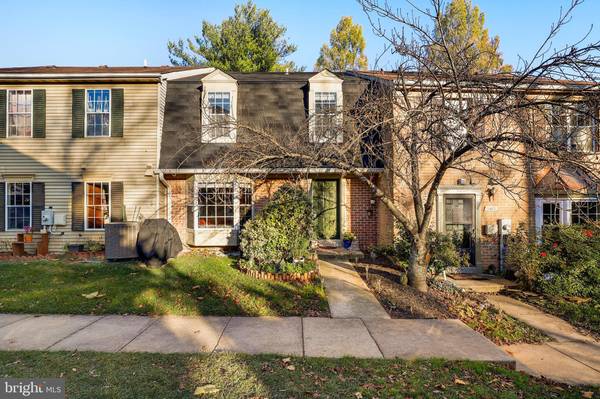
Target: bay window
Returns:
[19, 113]
[218, 211]
[18, 205]
[553, 211]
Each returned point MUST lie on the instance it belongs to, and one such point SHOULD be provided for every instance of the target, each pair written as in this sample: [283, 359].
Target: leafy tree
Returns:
[249, 41]
[461, 29]
[345, 50]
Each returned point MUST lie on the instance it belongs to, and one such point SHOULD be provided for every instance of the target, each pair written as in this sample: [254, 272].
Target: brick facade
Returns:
[179, 203]
[359, 215]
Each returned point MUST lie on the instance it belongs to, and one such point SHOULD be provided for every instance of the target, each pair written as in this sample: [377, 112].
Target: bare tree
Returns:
[424, 120]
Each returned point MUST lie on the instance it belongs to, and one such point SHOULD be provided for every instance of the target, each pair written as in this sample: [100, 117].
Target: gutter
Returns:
[258, 170]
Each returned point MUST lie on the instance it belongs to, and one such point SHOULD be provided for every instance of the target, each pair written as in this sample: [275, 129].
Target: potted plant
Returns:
[28, 236]
[347, 239]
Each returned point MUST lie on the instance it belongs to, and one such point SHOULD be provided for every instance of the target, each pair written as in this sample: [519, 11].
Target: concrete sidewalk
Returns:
[311, 336]
[572, 358]
[347, 293]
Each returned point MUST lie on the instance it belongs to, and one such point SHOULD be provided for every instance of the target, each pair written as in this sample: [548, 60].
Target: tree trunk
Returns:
[417, 265]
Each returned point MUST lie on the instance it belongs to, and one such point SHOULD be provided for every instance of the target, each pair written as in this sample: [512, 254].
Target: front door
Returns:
[325, 198]
[459, 221]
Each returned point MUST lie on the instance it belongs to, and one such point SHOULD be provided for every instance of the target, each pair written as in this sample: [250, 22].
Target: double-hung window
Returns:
[19, 113]
[573, 127]
[218, 126]
[97, 205]
[97, 113]
[326, 127]
[18, 205]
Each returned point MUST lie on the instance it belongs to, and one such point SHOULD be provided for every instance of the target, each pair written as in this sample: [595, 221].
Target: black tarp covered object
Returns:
[157, 242]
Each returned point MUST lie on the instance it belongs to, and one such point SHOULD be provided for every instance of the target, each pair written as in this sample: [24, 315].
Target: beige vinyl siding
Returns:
[59, 159]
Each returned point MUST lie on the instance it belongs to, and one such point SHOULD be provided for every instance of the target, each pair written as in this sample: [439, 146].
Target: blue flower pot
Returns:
[347, 244]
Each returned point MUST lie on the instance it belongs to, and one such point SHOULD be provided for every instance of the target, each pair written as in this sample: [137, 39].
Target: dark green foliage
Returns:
[248, 41]
[280, 234]
[443, 251]
[565, 263]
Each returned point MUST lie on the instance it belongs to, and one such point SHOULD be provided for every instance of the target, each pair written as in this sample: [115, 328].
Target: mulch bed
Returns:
[97, 256]
[444, 301]
[402, 302]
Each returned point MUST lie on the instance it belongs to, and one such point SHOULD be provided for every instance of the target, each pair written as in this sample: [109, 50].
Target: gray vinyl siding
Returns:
[58, 159]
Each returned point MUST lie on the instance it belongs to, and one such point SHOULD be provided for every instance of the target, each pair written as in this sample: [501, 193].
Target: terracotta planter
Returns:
[28, 237]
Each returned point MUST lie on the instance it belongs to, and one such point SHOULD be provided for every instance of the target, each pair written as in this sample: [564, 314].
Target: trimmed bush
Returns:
[278, 239]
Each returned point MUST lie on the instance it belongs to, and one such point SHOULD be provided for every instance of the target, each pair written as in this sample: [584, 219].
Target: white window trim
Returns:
[6, 206]
[324, 82]
[7, 114]
[85, 105]
[236, 205]
[218, 81]
[85, 203]
[566, 206]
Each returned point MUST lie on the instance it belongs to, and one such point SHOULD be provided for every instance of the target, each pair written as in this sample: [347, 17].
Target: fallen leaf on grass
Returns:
[92, 295]
[358, 395]
[587, 394]
[207, 389]
[291, 367]
[286, 359]
[458, 381]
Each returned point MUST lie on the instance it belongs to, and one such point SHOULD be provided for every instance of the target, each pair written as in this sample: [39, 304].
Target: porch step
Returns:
[482, 283]
[339, 253]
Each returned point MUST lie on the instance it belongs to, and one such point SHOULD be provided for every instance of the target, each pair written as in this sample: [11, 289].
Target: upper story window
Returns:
[573, 127]
[219, 93]
[218, 117]
[18, 205]
[325, 99]
[326, 120]
[97, 113]
[19, 113]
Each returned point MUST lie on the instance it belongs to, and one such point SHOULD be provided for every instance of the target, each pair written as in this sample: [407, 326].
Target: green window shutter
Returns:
[39, 114]
[117, 210]
[2, 205]
[116, 112]
[77, 206]
[78, 113]
[2, 114]
[38, 203]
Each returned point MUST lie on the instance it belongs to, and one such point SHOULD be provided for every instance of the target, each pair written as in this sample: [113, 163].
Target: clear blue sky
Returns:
[127, 32]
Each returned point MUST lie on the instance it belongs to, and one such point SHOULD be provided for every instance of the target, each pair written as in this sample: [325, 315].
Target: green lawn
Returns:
[124, 375]
[188, 285]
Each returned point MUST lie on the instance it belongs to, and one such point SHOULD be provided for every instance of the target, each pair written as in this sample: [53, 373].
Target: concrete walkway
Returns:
[347, 293]
[311, 336]
[572, 358]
